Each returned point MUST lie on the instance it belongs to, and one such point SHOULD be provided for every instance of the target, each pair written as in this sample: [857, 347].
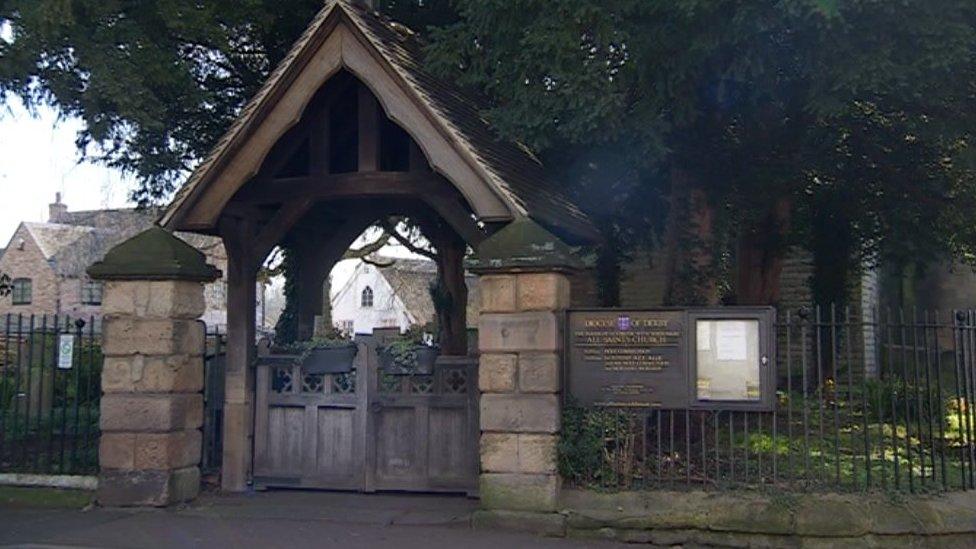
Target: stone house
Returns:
[47, 260]
[397, 295]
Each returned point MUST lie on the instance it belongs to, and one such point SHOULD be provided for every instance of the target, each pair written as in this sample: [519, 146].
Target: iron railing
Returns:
[49, 414]
[864, 402]
[48, 400]
[213, 400]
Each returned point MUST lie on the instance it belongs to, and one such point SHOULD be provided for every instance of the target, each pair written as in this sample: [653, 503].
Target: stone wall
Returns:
[29, 263]
[747, 519]
[520, 339]
[152, 406]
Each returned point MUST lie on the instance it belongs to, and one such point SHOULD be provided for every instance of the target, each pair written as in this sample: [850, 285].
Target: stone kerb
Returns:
[152, 377]
[524, 290]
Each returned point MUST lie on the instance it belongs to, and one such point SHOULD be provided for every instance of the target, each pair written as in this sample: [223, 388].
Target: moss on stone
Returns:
[524, 245]
[154, 254]
[44, 498]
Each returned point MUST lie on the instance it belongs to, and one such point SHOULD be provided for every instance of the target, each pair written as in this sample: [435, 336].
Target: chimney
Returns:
[58, 211]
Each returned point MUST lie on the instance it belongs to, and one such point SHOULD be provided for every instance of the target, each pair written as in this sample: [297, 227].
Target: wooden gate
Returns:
[367, 429]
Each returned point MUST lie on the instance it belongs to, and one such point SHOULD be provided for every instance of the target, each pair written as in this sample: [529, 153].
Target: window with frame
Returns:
[91, 292]
[366, 300]
[22, 292]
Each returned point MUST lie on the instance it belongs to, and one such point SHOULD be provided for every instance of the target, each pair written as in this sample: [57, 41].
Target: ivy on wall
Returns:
[286, 329]
[596, 447]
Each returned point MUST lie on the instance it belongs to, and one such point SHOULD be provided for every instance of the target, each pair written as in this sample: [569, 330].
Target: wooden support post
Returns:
[454, 319]
[310, 266]
[369, 131]
[239, 378]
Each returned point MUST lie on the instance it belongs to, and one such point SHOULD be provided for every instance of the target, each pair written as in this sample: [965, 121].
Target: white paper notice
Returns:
[731, 340]
[704, 335]
[66, 351]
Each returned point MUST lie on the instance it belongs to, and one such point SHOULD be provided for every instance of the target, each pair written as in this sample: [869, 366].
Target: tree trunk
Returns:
[759, 257]
[690, 243]
[452, 315]
[449, 293]
[609, 269]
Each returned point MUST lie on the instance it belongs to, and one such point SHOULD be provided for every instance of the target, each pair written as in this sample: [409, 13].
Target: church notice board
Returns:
[701, 358]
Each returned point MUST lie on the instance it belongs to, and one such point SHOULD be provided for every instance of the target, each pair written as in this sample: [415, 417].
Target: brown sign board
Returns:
[670, 358]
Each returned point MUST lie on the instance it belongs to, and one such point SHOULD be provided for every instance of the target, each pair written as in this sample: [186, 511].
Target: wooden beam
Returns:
[427, 187]
[312, 119]
[456, 215]
[319, 142]
[369, 130]
[279, 225]
[346, 185]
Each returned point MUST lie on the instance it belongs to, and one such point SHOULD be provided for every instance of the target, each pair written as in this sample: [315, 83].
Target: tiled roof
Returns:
[508, 167]
[411, 280]
[80, 239]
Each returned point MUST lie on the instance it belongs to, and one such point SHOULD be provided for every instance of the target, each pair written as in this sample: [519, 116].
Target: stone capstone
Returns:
[154, 254]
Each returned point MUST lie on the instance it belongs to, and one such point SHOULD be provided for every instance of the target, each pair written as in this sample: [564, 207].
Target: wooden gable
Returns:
[499, 181]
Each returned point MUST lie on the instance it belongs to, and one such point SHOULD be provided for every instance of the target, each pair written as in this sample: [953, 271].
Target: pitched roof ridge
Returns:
[508, 168]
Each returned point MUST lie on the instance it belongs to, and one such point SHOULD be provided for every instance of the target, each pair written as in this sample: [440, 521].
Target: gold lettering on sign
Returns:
[635, 350]
[627, 389]
[627, 404]
[628, 359]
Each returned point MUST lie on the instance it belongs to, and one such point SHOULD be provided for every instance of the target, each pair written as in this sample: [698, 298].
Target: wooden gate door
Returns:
[308, 427]
[423, 429]
[368, 429]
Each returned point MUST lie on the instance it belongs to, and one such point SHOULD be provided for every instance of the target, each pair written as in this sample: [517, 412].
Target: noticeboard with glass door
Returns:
[733, 358]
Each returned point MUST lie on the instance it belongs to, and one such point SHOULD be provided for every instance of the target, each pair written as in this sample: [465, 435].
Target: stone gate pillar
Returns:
[152, 378]
[524, 291]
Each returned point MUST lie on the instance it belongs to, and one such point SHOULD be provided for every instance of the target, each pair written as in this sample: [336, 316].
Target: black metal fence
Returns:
[213, 400]
[49, 401]
[50, 386]
[881, 401]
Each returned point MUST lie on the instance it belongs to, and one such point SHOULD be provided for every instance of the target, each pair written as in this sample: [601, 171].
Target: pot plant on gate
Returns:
[326, 354]
[409, 354]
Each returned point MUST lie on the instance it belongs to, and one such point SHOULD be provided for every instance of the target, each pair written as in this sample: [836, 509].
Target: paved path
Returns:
[286, 519]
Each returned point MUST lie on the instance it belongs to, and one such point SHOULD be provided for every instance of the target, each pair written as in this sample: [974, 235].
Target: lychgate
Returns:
[349, 129]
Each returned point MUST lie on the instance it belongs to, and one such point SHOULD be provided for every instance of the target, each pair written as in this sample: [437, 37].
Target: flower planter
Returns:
[425, 359]
[330, 360]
